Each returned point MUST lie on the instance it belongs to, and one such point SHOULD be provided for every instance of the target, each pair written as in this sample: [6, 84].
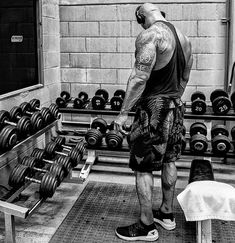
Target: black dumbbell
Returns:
[117, 100]
[21, 174]
[81, 146]
[64, 161]
[220, 141]
[35, 117]
[100, 99]
[63, 100]
[36, 165]
[54, 109]
[220, 102]
[113, 138]
[8, 137]
[45, 112]
[81, 101]
[95, 135]
[23, 126]
[198, 105]
[75, 154]
[198, 141]
[232, 98]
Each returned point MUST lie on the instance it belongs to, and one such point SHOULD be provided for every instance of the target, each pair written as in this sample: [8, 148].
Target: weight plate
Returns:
[216, 93]
[100, 124]
[98, 102]
[83, 96]
[116, 103]
[16, 113]
[60, 140]
[35, 104]
[120, 92]
[198, 95]
[220, 144]
[219, 129]
[25, 106]
[61, 102]
[198, 107]
[221, 105]
[4, 117]
[198, 143]
[65, 95]
[198, 127]
[37, 121]
[103, 93]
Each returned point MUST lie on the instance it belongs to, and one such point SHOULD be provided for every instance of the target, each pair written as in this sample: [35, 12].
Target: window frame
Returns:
[39, 57]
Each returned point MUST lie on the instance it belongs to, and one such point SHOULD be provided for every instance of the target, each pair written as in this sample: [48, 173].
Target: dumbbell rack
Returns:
[95, 155]
[9, 209]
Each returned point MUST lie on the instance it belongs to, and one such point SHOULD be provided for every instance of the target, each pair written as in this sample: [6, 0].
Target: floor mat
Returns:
[103, 206]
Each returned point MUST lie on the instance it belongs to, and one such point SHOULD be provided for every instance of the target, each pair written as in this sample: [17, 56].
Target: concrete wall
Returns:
[97, 42]
[51, 60]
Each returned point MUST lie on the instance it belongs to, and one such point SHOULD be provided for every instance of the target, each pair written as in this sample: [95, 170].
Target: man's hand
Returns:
[119, 122]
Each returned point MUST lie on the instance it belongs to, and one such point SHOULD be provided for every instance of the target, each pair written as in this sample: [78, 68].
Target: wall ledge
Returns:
[112, 2]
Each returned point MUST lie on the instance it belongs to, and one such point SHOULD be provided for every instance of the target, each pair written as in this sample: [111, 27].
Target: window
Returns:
[19, 57]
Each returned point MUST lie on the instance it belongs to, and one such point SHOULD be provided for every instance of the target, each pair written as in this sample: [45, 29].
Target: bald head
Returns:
[147, 14]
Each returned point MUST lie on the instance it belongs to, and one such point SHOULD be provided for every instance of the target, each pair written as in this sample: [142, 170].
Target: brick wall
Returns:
[97, 42]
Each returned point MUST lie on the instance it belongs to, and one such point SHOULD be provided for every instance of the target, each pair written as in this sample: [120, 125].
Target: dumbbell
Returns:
[198, 141]
[8, 137]
[63, 99]
[23, 126]
[81, 101]
[220, 141]
[21, 174]
[25, 109]
[54, 109]
[94, 135]
[232, 98]
[81, 146]
[198, 105]
[53, 149]
[113, 138]
[64, 161]
[45, 112]
[36, 165]
[117, 100]
[100, 99]
[220, 102]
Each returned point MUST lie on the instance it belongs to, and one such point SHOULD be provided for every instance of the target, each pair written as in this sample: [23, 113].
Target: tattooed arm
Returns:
[144, 63]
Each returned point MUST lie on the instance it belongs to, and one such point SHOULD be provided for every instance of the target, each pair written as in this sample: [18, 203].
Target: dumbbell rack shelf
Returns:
[9, 209]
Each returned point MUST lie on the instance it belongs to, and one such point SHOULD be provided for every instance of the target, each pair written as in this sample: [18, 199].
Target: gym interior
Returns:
[64, 69]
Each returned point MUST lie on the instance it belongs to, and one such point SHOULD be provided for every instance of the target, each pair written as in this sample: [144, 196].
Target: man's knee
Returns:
[169, 175]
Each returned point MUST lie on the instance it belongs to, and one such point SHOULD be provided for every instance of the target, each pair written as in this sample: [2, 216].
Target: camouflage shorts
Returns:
[156, 133]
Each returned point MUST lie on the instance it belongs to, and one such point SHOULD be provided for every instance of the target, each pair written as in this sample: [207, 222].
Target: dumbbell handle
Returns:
[32, 179]
[10, 123]
[60, 153]
[48, 161]
[39, 170]
[30, 113]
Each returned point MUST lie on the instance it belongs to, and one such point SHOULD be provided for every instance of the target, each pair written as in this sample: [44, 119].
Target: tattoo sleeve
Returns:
[145, 57]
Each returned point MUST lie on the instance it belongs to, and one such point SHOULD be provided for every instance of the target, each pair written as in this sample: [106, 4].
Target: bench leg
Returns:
[204, 233]
[9, 228]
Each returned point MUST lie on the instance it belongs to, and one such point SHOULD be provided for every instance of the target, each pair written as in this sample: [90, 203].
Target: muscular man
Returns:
[163, 61]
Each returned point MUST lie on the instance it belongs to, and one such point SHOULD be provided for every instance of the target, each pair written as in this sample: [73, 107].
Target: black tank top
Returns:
[166, 81]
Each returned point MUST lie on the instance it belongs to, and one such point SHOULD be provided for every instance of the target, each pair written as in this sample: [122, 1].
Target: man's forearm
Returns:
[134, 91]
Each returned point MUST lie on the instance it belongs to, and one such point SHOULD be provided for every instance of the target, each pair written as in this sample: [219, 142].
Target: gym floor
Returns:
[43, 223]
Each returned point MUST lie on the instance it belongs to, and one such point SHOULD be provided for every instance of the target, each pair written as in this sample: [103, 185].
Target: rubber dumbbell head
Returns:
[117, 100]
[8, 137]
[220, 141]
[220, 102]
[54, 109]
[114, 139]
[80, 102]
[100, 99]
[198, 105]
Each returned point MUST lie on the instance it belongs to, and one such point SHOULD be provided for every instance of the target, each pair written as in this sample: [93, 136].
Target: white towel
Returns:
[203, 200]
